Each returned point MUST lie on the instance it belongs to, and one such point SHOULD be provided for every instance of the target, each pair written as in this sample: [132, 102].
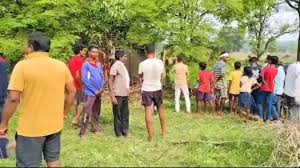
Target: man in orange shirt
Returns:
[42, 108]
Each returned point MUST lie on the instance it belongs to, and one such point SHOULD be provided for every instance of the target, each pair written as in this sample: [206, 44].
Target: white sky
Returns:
[286, 15]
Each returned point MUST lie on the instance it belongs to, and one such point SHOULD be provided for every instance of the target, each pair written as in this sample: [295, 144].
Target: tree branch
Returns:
[291, 5]
[271, 39]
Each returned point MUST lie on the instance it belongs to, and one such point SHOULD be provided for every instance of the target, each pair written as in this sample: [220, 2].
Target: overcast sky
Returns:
[286, 15]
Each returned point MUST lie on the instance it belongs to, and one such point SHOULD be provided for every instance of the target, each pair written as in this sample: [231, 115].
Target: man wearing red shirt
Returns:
[75, 65]
[268, 75]
[206, 88]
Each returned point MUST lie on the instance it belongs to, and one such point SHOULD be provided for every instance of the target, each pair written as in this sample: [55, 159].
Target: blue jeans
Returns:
[255, 95]
[1, 109]
[265, 98]
[276, 107]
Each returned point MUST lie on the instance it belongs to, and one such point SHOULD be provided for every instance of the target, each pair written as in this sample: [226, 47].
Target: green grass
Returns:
[193, 140]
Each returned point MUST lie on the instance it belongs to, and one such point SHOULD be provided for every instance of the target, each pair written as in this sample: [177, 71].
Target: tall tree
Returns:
[258, 22]
[294, 4]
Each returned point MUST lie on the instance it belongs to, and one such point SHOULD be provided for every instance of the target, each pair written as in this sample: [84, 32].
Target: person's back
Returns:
[235, 78]
[269, 74]
[205, 80]
[152, 70]
[181, 71]
[293, 71]
[42, 82]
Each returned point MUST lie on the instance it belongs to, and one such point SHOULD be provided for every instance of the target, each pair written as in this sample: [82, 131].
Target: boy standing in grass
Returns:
[93, 82]
[245, 100]
[206, 89]
[234, 83]
[42, 109]
[150, 73]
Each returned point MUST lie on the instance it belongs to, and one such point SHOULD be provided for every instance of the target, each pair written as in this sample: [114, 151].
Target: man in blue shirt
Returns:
[93, 82]
[3, 82]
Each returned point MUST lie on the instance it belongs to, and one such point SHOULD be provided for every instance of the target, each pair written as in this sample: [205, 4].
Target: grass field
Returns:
[193, 140]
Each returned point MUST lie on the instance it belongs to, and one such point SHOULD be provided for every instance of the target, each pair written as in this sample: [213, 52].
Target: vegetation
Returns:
[193, 140]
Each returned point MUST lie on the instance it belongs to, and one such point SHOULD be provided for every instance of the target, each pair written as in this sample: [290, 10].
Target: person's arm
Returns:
[297, 90]
[71, 91]
[112, 74]
[85, 79]
[10, 107]
[256, 85]
[140, 73]
[102, 84]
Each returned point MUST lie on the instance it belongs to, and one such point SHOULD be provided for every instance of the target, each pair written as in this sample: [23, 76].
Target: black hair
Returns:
[1, 54]
[202, 65]
[92, 46]
[248, 71]
[39, 42]
[237, 65]
[269, 57]
[274, 60]
[180, 57]
[119, 54]
[150, 49]
[77, 48]
[253, 59]
[223, 52]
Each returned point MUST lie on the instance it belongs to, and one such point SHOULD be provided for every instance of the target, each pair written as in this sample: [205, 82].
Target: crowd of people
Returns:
[265, 92]
[43, 105]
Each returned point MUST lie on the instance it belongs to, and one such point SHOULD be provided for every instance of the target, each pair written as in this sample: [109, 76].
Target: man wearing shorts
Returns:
[221, 89]
[42, 109]
[150, 73]
[75, 66]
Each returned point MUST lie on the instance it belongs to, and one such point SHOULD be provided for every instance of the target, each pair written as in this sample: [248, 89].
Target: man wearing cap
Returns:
[119, 89]
[221, 87]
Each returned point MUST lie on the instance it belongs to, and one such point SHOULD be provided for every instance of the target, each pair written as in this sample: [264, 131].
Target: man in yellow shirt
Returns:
[38, 83]
[234, 91]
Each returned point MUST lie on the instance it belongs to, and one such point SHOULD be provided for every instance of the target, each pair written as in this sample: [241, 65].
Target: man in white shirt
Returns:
[292, 91]
[150, 73]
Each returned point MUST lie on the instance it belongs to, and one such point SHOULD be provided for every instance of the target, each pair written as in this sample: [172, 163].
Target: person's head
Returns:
[1, 54]
[79, 49]
[237, 65]
[224, 56]
[268, 60]
[150, 50]
[121, 56]
[253, 61]
[202, 66]
[180, 58]
[93, 51]
[274, 60]
[37, 41]
[248, 71]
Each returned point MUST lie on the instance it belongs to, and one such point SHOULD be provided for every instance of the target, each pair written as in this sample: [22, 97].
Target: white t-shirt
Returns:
[293, 72]
[152, 70]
